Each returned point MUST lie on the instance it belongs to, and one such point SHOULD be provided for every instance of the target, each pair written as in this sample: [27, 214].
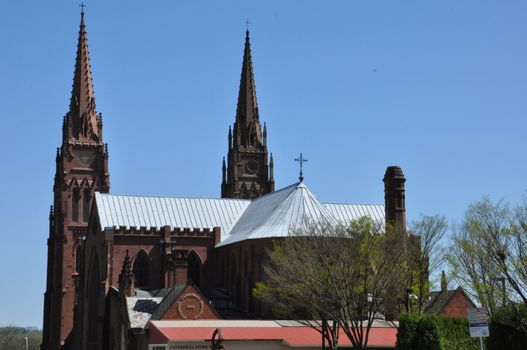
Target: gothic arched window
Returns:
[194, 268]
[86, 206]
[75, 205]
[141, 269]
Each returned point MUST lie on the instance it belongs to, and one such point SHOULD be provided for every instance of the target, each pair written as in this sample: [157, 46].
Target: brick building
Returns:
[116, 260]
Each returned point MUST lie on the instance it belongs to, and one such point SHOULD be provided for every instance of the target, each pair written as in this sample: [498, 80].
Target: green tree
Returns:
[13, 338]
[490, 244]
[344, 276]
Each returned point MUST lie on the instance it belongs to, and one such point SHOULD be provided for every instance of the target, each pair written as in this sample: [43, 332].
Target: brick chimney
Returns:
[394, 197]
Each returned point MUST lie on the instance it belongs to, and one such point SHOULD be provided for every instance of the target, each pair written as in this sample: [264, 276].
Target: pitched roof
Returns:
[277, 214]
[271, 215]
[145, 303]
[437, 301]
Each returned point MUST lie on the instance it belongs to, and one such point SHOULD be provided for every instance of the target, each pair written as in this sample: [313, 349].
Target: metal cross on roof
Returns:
[247, 23]
[301, 160]
[82, 6]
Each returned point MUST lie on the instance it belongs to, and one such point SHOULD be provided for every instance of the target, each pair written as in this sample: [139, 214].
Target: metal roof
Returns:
[348, 212]
[279, 213]
[157, 212]
[274, 215]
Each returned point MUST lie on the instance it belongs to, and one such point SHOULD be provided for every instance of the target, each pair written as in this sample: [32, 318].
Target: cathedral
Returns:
[118, 262]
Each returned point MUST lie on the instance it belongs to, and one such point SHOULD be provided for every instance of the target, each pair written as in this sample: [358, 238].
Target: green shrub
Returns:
[455, 334]
[434, 333]
[426, 335]
[406, 332]
[508, 328]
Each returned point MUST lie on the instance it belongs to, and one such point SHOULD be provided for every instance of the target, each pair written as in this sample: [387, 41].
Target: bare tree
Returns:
[344, 276]
[426, 256]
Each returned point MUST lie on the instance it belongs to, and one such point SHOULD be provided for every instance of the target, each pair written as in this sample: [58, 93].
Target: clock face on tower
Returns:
[85, 157]
[251, 167]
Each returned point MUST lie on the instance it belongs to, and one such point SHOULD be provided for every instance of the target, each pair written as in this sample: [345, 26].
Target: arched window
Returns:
[75, 205]
[141, 269]
[194, 268]
[86, 206]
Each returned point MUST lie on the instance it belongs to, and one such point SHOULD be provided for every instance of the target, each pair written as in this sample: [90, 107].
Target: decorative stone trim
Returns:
[182, 312]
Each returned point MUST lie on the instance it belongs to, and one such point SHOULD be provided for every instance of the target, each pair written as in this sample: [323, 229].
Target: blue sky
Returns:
[437, 87]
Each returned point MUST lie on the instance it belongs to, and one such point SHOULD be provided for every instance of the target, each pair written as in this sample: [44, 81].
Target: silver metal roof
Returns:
[278, 213]
[157, 212]
[273, 215]
[348, 212]
[291, 209]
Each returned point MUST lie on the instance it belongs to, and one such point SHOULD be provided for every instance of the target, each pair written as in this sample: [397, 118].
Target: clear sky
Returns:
[437, 87]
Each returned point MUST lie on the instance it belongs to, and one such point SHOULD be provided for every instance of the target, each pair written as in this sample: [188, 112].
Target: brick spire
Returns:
[246, 174]
[247, 126]
[84, 121]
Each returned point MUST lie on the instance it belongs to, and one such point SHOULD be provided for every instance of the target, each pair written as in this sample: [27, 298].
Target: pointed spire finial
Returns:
[265, 135]
[82, 6]
[224, 171]
[126, 277]
[271, 169]
[230, 138]
[82, 102]
[247, 25]
[247, 124]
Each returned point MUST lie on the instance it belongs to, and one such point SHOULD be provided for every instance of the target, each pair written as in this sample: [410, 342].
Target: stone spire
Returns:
[247, 125]
[247, 172]
[84, 123]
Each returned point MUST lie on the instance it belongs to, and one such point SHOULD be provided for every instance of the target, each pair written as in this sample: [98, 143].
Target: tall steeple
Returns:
[81, 170]
[248, 170]
[247, 122]
[84, 122]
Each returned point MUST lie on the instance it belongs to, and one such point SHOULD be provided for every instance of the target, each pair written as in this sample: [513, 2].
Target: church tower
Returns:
[248, 172]
[81, 169]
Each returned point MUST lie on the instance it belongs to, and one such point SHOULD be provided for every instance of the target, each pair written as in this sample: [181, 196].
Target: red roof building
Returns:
[248, 334]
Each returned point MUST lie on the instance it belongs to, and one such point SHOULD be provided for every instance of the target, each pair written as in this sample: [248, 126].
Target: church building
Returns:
[117, 262]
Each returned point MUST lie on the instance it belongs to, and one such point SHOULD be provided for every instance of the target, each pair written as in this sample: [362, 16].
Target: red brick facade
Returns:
[458, 305]
[191, 305]
[81, 169]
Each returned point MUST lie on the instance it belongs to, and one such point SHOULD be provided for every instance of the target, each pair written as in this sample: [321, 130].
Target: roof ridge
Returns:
[183, 197]
[275, 192]
[340, 203]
